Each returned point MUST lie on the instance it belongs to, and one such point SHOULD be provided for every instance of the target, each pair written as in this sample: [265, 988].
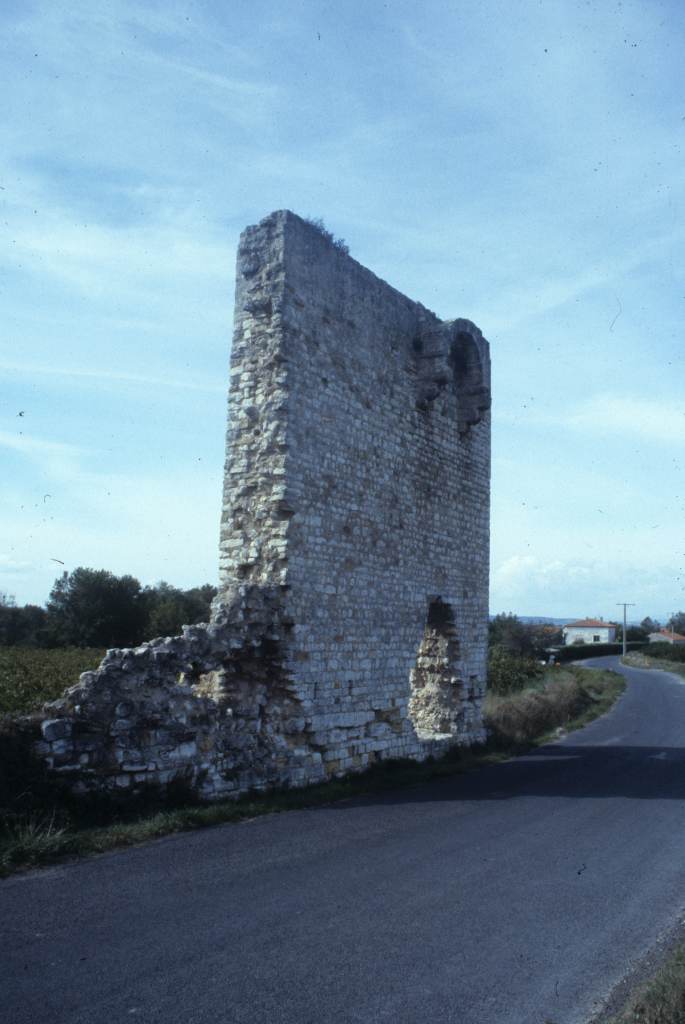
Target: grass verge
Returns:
[662, 999]
[636, 660]
[564, 698]
[568, 697]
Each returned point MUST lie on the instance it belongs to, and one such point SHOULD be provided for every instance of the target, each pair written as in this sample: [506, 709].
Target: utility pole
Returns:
[625, 604]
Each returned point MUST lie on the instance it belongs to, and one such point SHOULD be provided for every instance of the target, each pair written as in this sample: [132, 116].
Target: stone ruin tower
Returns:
[351, 622]
[357, 488]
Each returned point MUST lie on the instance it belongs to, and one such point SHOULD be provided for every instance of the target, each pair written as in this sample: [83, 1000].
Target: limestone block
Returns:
[55, 729]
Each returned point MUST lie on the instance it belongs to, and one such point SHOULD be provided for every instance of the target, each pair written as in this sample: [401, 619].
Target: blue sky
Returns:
[518, 164]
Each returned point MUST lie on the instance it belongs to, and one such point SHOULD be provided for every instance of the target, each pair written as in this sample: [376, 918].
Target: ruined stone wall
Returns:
[362, 424]
[210, 708]
[351, 622]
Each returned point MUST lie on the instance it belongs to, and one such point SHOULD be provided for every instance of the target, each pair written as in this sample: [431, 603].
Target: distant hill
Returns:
[544, 619]
[548, 620]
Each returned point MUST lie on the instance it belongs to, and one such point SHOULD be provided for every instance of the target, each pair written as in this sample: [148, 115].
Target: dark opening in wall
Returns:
[437, 692]
[467, 373]
[450, 376]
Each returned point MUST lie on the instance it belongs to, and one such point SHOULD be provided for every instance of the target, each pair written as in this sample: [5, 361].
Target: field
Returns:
[31, 676]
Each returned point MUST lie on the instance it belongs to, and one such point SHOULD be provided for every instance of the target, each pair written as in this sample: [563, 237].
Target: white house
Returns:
[589, 631]
[667, 636]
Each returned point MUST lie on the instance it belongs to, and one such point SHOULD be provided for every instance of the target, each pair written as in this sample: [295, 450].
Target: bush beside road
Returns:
[659, 656]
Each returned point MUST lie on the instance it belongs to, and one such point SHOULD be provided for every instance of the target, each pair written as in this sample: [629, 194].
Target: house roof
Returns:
[669, 633]
[590, 624]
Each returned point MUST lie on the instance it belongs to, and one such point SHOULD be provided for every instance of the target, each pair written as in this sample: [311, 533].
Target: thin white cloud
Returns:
[520, 569]
[91, 257]
[9, 565]
[622, 416]
[37, 446]
[106, 376]
[651, 419]
[54, 460]
[237, 89]
[561, 587]
[152, 527]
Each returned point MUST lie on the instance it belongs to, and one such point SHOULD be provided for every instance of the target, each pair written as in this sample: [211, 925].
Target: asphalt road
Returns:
[520, 893]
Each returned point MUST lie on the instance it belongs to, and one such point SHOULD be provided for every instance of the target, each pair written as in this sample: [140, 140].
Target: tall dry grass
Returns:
[562, 696]
[662, 999]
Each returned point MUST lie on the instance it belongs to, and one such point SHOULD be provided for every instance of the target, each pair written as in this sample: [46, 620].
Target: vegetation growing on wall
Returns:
[338, 243]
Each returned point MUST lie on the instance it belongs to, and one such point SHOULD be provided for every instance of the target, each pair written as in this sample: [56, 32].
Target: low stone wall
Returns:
[216, 709]
[211, 707]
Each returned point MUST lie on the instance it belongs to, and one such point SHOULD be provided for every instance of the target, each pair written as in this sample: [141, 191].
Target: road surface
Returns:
[520, 893]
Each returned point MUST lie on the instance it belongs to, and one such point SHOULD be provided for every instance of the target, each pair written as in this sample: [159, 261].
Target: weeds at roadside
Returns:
[564, 696]
[662, 999]
[640, 660]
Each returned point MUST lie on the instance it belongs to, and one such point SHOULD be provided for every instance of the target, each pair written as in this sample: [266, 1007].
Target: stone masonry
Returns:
[351, 622]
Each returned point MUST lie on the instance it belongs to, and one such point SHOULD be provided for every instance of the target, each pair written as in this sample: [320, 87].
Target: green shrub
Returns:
[575, 651]
[665, 652]
[509, 673]
[565, 694]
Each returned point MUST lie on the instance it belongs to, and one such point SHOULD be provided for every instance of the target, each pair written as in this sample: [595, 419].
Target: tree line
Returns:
[531, 639]
[95, 608]
[516, 649]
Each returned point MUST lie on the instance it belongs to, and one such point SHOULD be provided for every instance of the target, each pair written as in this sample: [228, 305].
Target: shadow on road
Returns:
[573, 772]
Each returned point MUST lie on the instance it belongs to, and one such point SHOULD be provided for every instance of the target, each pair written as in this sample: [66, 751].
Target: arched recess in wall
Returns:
[473, 394]
[437, 692]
